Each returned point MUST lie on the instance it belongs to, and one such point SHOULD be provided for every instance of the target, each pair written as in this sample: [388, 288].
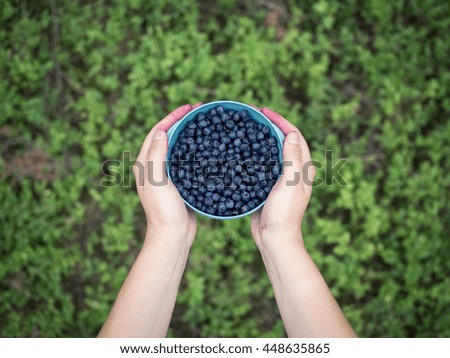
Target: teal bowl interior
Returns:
[256, 115]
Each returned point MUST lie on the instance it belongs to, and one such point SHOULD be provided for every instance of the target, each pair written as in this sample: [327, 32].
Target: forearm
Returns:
[146, 300]
[307, 307]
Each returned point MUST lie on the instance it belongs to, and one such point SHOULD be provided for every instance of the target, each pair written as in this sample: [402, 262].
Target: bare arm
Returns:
[145, 303]
[307, 307]
[146, 300]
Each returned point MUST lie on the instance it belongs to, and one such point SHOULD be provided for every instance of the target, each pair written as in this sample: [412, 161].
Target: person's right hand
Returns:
[167, 215]
[281, 216]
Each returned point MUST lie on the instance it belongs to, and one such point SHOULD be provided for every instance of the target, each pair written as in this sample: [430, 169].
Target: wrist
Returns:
[279, 241]
[167, 239]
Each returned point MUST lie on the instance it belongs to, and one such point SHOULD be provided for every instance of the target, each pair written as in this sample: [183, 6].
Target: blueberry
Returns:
[266, 130]
[229, 204]
[184, 193]
[237, 179]
[237, 142]
[251, 204]
[222, 147]
[207, 143]
[215, 197]
[208, 202]
[215, 153]
[245, 196]
[244, 209]
[243, 113]
[222, 207]
[236, 197]
[203, 124]
[263, 150]
[229, 124]
[220, 187]
[215, 136]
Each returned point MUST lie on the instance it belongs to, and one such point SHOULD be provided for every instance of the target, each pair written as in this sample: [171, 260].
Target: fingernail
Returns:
[293, 138]
[159, 134]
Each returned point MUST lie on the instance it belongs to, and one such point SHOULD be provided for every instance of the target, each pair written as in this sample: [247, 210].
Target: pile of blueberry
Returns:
[224, 163]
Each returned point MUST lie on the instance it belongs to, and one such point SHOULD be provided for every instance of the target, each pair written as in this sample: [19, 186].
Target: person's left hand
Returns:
[167, 215]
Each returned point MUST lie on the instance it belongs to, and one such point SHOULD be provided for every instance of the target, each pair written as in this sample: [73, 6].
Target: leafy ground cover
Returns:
[83, 81]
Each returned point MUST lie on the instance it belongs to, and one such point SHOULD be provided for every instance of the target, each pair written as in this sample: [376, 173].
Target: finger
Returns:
[256, 216]
[173, 117]
[156, 159]
[198, 104]
[191, 214]
[167, 122]
[292, 161]
[287, 127]
[282, 123]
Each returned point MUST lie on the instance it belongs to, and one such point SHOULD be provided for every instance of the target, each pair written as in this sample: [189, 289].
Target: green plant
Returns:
[83, 81]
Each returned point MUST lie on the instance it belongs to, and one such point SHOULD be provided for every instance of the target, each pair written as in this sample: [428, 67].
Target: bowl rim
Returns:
[170, 141]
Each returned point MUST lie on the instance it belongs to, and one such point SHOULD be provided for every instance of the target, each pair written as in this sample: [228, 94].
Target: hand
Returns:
[282, 214]
[164, 208]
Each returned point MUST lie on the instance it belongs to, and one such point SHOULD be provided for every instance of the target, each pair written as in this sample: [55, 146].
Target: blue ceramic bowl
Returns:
[256, 115]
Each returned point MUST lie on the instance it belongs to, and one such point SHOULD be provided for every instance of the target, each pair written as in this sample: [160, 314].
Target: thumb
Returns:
[156, 158]
[292, 161]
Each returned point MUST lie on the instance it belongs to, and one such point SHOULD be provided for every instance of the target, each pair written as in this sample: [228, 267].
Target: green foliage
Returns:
[83, 81]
